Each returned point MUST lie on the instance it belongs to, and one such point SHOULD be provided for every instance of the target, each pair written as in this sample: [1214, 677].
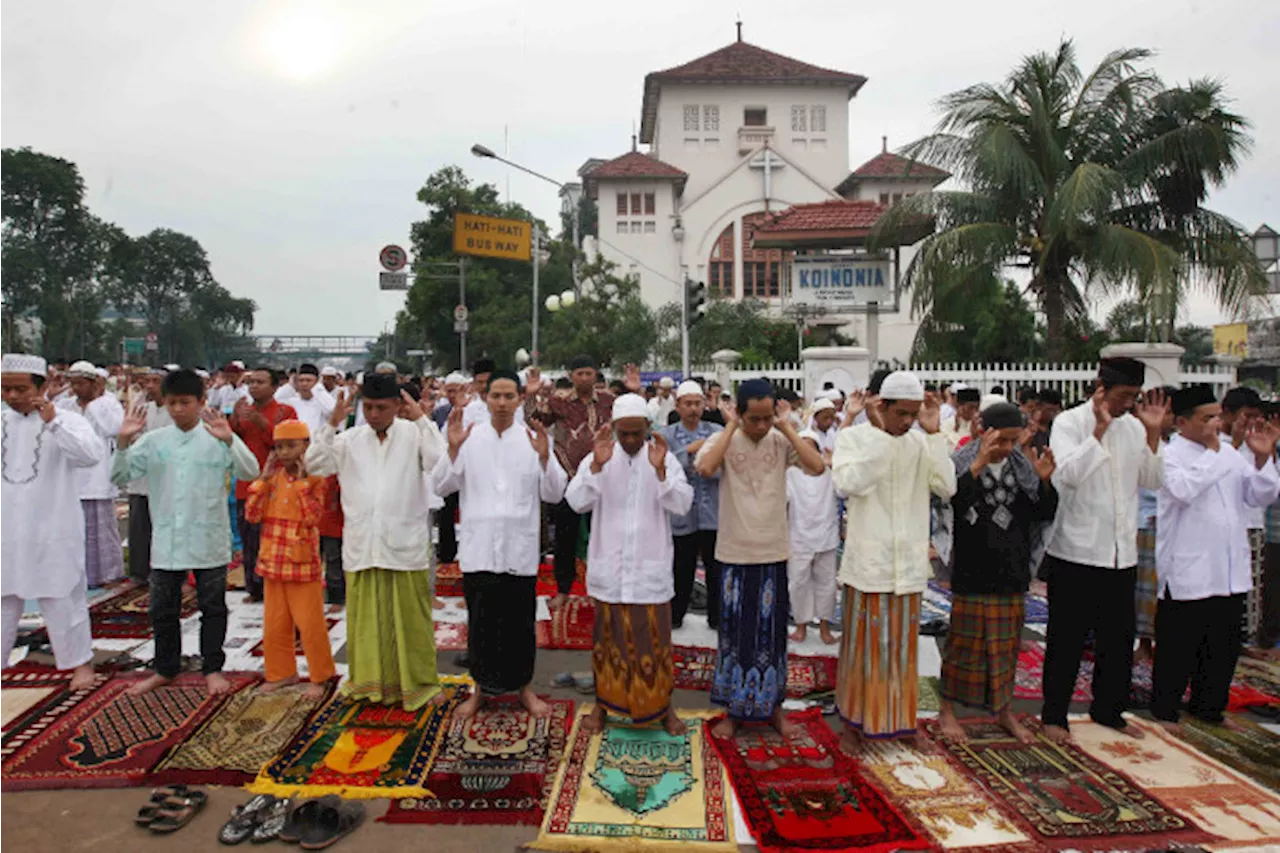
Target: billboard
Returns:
[1231, 339]
[490, 237]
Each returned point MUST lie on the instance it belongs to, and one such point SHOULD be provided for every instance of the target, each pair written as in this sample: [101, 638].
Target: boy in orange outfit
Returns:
[288, 504]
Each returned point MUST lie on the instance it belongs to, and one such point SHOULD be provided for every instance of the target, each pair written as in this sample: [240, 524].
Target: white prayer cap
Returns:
[823, 404]
[360, 378]
[238, 363]
[172, 367]
[831, 394]
[20, 362]
[902, 385]
[688, 388]
[83, 369]
[102, 372]
[385, 367]
[329, 371]
[456, 378]
[630, 406]
[202, 373]
[957, 386]
[666, 382]
[989, 400]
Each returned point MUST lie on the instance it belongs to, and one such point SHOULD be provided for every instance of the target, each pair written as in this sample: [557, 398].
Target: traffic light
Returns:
[695, 301]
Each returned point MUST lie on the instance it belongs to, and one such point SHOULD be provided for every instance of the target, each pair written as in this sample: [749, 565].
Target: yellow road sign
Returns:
[490, 237]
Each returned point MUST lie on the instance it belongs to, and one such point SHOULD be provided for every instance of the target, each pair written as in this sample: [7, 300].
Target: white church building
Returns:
[735, 139]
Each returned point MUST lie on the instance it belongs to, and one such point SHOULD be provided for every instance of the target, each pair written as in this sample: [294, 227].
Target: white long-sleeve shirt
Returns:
[1201, 546]
[313, 411]
[812, 512]
[105, 414]
[501, 486]
[1254, 518]
[41, 522]
[630, 556]
[1097, 482]
[887, 481]
[384, 492]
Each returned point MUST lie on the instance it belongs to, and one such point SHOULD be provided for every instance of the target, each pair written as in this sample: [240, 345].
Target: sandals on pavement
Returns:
[301, 814]
[273, 818]
[331, 823]
[150, 811]
[178, 811]
[245, 819]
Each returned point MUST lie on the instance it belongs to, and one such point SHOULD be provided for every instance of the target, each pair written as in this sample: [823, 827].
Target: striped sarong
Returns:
[751, 667]
[876, 688]
[1253, 602]
[632, 659]
[1144, 591]
[103, 552]
[982, 650]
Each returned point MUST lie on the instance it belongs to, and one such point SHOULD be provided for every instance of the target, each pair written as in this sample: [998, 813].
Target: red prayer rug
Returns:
[1028, 681]
[805, 794]
[1065, 798]
[126, 615]
[329, 622]
[112, 740]
[451, 636]
[449, 579]
[696, 669]
[32, 697]
[571, 626]
[496, 768]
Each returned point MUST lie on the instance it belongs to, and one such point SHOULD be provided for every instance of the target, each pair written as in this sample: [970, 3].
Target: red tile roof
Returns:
[834, 215]
[739, 62]
[633, 164]
[889, 166]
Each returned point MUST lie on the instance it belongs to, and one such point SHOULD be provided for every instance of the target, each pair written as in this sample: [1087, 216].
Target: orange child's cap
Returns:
[291, 429]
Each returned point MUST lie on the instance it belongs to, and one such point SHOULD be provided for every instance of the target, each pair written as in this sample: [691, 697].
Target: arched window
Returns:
[761, 268]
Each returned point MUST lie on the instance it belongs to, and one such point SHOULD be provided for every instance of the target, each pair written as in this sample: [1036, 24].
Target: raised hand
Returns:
[602, 448]
[135, 421]
[217, 425]
[1043, 462]
[48, 411]
[1261, 439]
[1101, 413]
[854, 406]
[268, 467]
[455, 433]
[875, 411]
[1239, 430]
[930, 417]
[782, 414]
[539, 440]
[658, 454]
[986, 445]
[411, 408]
[631, 378]
[730, 413]
[341, 409]
[532, 381]
[1152, 411]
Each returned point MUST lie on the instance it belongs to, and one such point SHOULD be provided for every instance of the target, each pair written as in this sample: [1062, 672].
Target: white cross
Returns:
[767, 162]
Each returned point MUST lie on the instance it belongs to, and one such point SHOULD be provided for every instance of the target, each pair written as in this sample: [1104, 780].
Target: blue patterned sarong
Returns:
[751, 669]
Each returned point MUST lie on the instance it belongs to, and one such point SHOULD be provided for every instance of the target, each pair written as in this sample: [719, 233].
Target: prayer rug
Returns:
[1241, 744]
[449, 579]
[1184, 779]
[1064, 798]
[936, 604]
[639, 789]
[1028, 681]
[32, 697]
[236, 742]
[361, 750]
[496, 768]
[944, 804]
[329, 622]
[1260, 673]
[696, 669]
[929, 693]
[126, 616]
[451, 636]
[805, 794]
[112, 740]
[572, 626]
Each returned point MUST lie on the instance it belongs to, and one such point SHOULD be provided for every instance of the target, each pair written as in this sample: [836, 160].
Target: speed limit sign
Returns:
[392, 258]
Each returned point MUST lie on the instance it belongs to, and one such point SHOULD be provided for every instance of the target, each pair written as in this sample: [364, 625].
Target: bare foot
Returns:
[470, 707]
[949, 726]
[850, 742]
[799, 633]
[438, 699]
[313, 691]
[1144, 652]
[1058, 735]
[557, 601]
[827, 637]
[1010, 723]
[533, 704]
[437, 604]
[594, 721]
[1170, 727]
[146, 685]
[673, 724]
[82, 677]
[785, 727]
[273, 686]
[217, 684]
[726, 728]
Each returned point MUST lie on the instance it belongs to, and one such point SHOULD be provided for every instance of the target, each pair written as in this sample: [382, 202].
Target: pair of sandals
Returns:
[171, 808]
[259, 820]
[583, 682]
[319, 823]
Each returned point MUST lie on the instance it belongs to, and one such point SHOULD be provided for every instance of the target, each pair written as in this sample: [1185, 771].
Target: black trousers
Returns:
[166, 608]
[1269, 623]
[568, 529]
[502, 643]
[335, 582]
[685, 566]
[1196, 642]
[447, 551]
[139, 538]
[1084, 598]
[250, 534]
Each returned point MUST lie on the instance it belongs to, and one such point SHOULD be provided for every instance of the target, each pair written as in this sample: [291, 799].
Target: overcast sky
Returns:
[290, 138]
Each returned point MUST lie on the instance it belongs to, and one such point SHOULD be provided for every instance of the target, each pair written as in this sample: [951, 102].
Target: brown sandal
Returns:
[177, 812]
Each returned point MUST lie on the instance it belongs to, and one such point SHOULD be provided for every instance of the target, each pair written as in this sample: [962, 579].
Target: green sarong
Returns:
[391, 639]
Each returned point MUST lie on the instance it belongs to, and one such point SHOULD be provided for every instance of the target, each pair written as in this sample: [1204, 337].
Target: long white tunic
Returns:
[1097, 482]
[630, 556]
[41, 522]
[501, 486]
[105, 414]
[1254, 518]
[1201, 546]
[384, 491]
[813, 515]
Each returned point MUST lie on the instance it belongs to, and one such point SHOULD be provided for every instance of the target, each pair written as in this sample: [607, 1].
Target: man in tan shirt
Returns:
[752, 454]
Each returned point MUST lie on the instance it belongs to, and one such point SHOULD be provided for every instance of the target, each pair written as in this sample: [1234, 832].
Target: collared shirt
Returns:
[157, 418]
[187, 475]
[572, 421]
[1097, 482]
[887, 481]
[704, 513]
[105, 414]
[1202, 549]
[259, 438]
[501, 487]
[289, 510]
[477, 412]
[41, 521]
[753, 498]
[629, 558]
[812, 512]
[384, 491]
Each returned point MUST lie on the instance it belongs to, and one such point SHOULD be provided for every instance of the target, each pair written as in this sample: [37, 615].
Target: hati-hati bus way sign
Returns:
[841, 283]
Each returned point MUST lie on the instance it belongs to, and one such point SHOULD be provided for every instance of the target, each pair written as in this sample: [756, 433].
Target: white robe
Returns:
[41, 522]
[105, 415]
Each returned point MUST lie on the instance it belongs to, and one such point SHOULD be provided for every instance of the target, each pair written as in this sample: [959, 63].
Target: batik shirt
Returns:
[705, 512]
[573, 422]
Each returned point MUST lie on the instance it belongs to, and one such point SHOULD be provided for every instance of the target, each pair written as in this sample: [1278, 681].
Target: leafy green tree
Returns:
[744, 326]
[990, 321]
[609, 321]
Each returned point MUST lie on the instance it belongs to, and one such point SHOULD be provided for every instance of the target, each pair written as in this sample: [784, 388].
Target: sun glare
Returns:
[302, 43]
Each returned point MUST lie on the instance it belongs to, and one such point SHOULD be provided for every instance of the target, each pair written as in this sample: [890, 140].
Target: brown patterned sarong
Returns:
[632, 659]
[982, 650]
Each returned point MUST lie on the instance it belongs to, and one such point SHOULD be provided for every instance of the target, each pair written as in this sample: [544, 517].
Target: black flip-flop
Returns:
[150, 811]
[245, 819]
[177, 812]
[331, 823]
[300, 816]
[272, 822]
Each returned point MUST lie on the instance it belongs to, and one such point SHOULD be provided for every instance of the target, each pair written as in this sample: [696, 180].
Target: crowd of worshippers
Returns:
[1147, 514]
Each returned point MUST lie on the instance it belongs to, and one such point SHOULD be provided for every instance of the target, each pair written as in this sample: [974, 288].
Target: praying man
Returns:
[386, 542]
[503, 472]
[632, 485]
[42, 541]
[887, 471]
[752, 455]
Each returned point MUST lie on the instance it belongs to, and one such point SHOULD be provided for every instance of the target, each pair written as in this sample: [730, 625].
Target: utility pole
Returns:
[457, 270]
[693, 307]
[537, 250]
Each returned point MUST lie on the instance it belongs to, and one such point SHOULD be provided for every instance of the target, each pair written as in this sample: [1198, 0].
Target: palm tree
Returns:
[1073, 178]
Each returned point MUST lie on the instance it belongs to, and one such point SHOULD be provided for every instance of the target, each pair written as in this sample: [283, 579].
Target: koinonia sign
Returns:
[837, 282]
